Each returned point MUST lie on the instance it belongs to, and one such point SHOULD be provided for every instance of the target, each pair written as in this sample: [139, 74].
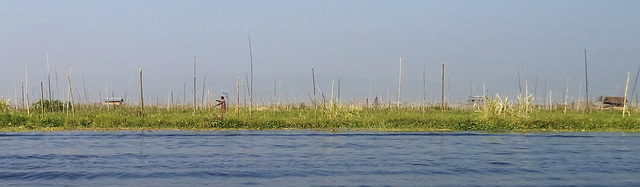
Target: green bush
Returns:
[49, 106]
[4, 105]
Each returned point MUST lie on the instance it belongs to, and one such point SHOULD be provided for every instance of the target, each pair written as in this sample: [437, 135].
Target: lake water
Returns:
[318, 158]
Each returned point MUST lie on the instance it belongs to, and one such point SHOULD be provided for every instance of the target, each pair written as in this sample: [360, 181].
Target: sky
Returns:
[356, 46]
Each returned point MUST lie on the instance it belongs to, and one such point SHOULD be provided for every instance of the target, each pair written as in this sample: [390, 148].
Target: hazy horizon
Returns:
[481, 43]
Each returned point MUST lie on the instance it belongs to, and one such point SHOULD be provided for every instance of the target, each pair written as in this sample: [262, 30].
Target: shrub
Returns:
[4, 105]
[49, 106]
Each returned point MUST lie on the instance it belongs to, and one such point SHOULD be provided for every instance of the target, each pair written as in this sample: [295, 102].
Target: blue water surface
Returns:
[318, 158]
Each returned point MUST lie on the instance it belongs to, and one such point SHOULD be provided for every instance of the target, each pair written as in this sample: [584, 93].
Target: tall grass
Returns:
[496, 107]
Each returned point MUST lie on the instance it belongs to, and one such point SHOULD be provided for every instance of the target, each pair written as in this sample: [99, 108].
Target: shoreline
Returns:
[391, 120]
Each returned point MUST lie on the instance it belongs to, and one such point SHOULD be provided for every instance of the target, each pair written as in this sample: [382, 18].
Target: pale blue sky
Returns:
[358, 42]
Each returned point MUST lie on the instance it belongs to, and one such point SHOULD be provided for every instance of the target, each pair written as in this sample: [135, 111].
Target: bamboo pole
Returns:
[184, 95]
[42, 100]
[204, 83]
[313, 76]
[27, 89]
[624, 107]
[251, 83]
[331, 109]
[49, 77]
[73, 107]
[195, 103]
[526, 98]
[566, 96]
[424, 89]
[550, 98]
[519, 84]
[586, 79]
[22, 85]
[169, 98]
[400, 83]
[141, 95]
[339, 99]
[245, 84]
[633, 92]
[238, 96]
[442, 90]
[208, 100]
[84, 88]
[57, 87]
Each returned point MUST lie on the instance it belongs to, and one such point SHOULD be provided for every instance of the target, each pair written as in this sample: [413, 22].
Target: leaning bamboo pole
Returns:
[586, 79]
[624, 105]
[633, 92]
[73, 107]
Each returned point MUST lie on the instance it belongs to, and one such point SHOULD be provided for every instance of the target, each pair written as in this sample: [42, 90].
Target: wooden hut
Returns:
[114, 101]
[610, 101]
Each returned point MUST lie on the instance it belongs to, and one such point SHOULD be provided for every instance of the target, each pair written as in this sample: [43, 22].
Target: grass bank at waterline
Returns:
[287, 117]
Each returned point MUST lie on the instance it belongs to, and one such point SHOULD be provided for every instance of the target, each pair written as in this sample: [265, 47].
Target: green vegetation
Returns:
[495, 115]
[4, 105]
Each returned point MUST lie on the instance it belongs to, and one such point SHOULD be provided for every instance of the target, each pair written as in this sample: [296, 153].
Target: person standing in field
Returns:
[222, 104]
